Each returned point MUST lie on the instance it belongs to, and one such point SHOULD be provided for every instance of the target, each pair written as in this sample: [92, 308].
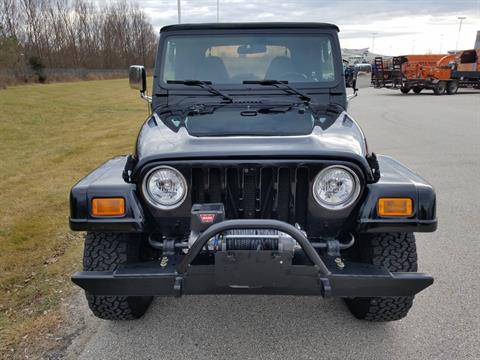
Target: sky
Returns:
[400, 26]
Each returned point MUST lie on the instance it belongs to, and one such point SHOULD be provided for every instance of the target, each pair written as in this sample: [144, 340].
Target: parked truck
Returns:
[432, 71]
[467, 68]
[442, 73]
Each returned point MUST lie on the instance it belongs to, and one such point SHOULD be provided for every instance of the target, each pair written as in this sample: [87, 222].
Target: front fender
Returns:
[398, 181]
[106, 181]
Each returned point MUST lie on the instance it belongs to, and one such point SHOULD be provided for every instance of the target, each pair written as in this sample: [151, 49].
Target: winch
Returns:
[205, 215]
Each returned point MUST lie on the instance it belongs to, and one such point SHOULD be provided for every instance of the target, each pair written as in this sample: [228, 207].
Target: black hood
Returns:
[338, 137]
[254, 119]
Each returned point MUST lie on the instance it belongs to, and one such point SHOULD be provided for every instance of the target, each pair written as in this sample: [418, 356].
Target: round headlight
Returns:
[336, 187]
[165, 187]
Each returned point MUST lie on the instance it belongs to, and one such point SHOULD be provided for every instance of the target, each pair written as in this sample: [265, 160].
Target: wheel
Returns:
[452, 87]
[404, 89]
[439, 87]
[104, 252]
[417, 89]
[397, 253]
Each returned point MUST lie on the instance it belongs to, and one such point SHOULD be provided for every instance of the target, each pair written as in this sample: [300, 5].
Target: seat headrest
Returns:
[213, 69]
[278, 66]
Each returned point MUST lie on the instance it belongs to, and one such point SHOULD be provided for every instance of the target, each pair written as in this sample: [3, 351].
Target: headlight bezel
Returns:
[149, 197]
[350, 201]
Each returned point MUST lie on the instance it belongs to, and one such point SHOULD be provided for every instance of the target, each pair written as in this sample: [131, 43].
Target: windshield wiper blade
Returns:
[207, 85]
[282, 85]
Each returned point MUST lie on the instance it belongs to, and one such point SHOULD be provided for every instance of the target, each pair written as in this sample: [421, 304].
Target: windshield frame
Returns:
[159, 86]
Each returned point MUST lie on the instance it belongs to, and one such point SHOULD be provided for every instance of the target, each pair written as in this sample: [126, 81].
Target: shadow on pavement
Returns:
[246, 327]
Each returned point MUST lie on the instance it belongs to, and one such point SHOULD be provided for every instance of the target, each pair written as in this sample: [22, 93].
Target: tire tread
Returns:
[104, 252]
[397, 253]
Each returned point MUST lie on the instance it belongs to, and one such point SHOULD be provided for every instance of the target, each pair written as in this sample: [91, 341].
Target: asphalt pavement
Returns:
[436, 136]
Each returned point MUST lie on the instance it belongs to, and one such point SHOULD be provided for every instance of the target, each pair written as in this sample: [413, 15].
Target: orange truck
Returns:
[439, 72]
[467, 68]
[442, 73]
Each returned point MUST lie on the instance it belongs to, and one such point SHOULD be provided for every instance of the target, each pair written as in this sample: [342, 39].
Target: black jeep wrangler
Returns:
[249, 177]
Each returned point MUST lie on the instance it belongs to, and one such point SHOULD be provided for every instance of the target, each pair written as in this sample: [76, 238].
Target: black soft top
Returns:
[240, 26]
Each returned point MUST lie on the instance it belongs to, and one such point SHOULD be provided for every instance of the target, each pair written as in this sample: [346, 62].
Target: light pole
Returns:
[441, 43]
[373, 41]
[413, 46]
[218, 11]
[461, 18]
[179, 10]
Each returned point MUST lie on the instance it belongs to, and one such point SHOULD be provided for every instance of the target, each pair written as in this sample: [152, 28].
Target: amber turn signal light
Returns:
[395, 207]
[108, 207]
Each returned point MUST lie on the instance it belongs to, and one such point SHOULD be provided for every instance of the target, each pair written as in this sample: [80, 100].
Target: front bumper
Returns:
[251, 272]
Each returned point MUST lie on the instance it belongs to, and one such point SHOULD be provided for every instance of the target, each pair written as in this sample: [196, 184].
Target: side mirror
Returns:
[137, 77]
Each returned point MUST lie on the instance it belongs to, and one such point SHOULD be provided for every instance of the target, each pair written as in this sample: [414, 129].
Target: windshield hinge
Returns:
[128, 170]
[374, 166]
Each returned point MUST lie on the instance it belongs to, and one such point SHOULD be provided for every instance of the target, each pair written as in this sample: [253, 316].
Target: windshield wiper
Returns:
[207, 85]
[282, 85]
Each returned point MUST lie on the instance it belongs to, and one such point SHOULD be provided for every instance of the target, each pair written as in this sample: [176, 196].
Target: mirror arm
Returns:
[144, 96]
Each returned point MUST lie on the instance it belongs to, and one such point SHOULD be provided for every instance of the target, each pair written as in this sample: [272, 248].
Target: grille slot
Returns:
[254, 192]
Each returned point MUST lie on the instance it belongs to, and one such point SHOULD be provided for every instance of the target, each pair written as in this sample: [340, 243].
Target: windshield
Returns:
[233, 59]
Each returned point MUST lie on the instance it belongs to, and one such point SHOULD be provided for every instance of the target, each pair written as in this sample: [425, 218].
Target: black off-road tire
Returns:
[452, 87]
[440, 87]
[404, 89]
[104, 252]
[417, 89]
[397, 253]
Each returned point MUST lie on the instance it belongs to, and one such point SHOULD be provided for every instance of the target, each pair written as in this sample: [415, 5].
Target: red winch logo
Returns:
[207, 218]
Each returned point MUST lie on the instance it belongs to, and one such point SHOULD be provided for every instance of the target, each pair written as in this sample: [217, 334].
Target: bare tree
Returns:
[75, 33]
[9, 18]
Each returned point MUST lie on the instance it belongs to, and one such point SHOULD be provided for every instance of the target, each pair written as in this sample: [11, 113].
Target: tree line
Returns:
[72, 34]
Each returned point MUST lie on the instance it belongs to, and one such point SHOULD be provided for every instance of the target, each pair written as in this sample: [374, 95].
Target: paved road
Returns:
[438, 137]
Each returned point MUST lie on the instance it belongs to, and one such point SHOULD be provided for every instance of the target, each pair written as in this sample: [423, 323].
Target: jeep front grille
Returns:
[254, 192]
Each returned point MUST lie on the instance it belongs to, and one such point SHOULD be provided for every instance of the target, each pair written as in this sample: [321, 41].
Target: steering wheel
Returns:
[292, 76]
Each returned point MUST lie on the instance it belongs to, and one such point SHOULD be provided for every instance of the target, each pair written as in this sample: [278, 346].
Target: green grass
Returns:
[50, 137]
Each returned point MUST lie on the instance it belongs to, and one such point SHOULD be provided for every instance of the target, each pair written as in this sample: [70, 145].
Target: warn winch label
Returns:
[207, 218]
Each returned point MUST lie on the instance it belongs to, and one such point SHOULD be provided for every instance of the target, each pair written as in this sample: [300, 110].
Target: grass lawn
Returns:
[50, 137]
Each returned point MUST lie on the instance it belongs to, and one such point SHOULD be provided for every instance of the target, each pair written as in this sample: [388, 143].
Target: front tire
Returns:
[104, 252]
[397, 253]
[440, 87]
[404, 89]
[452, 87]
